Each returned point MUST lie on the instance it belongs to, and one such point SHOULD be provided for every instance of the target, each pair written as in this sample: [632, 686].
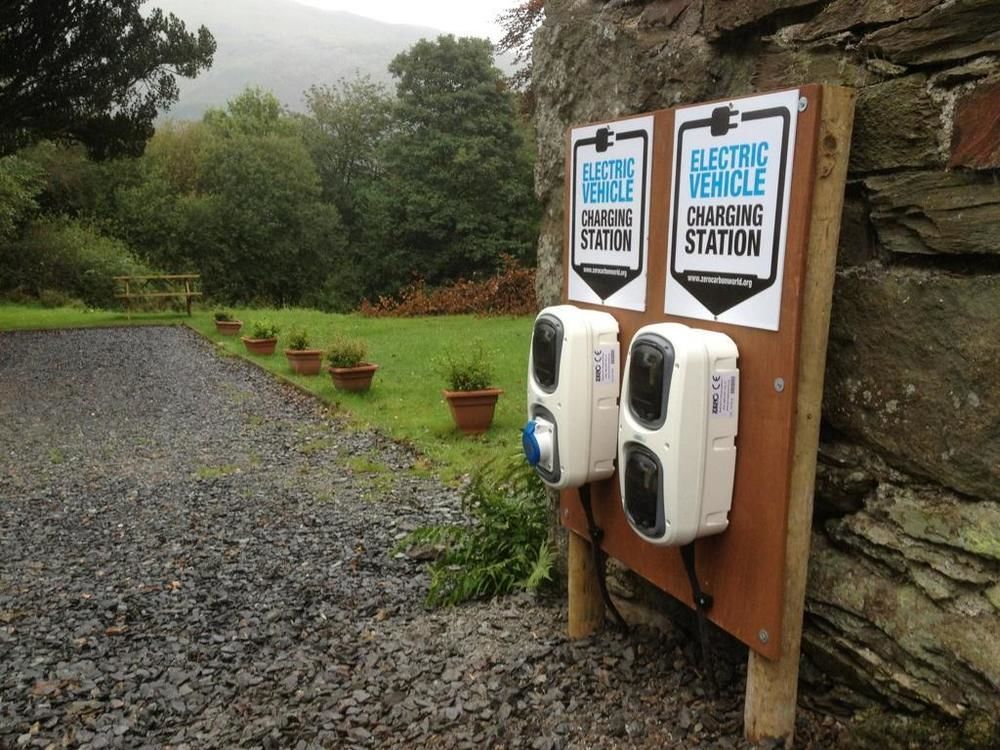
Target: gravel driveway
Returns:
[196, 556]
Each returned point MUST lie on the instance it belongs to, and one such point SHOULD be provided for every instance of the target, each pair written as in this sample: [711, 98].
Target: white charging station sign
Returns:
[732, 169]
[609, 235]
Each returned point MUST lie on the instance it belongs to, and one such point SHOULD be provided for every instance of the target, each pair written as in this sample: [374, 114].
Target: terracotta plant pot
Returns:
[304, 361]
[357, 378]
[228, 327]
[473, 410]
[260, 346]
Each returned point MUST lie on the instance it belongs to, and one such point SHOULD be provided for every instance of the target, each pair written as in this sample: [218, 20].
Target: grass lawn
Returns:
[31, 317]
[405, 399]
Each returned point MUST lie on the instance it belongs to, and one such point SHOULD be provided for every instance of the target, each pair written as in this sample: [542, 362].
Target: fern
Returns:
[505, 546]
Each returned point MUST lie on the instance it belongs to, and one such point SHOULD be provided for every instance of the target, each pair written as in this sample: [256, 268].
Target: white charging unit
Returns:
[677, 431]
[573, 381]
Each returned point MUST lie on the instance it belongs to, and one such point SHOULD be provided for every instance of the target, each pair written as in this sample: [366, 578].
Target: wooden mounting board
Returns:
[743, 568]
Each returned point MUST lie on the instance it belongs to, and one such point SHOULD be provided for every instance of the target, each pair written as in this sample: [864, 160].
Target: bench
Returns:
[178, 286]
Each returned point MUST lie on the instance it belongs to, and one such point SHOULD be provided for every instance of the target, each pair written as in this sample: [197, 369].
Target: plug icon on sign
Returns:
[721, 124]
[605, 138]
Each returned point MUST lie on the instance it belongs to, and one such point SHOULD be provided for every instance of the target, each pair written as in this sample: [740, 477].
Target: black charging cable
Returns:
[596, 535]
[703, 603]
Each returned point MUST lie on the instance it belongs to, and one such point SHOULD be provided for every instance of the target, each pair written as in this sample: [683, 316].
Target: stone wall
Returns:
[904, 600]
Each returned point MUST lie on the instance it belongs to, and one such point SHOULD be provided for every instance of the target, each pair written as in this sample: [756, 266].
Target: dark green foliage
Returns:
[457, 188]
[21, 182]
[264, 192]
[439, 186]
[506, 546]
[74, 185]
[344, 132]
[53, 298]
[223, 316]
[346, 352]
[70, 256]
[359, 199]
[95, 72]
[238, 198]
[467, 370]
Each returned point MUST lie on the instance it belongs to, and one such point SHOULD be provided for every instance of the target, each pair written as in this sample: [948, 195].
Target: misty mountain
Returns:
[283, 46]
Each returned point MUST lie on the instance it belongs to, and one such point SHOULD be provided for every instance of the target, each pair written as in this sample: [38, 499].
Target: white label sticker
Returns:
[723, 394]
[605, 366]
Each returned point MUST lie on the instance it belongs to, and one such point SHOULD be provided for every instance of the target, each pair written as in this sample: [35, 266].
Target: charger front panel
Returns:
[677, 430]
[573, 384]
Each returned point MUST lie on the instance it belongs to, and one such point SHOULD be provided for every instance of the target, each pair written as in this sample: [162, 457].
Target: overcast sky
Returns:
[459, 17]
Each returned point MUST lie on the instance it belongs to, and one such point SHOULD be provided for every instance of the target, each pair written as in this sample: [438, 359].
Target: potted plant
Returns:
[302, 359]
[470, 396]
[226, 324]
[263, 337]
[347, 367]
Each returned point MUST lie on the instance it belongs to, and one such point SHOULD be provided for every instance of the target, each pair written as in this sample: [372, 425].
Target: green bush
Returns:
[506, 546]
[468, 370]
[55, 298]
[223, 316]
[298, 340]
[68, 256]
[263, 329]
[21, 182]
[345, 352]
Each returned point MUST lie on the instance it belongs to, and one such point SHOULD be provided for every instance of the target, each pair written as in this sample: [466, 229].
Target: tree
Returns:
[519, 24]
[280, 240]
[74, 184]
[457, 187]
[253, 112]
[153, 208]
[344, 132]
[92, 71]
[237, 198]
[20, 184]
[255, 221]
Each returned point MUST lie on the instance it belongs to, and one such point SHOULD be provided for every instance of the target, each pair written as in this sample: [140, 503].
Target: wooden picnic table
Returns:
[153, 286]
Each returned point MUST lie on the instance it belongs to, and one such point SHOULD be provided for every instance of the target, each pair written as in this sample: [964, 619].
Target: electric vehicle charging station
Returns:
[571, 435]
[732, 228]
[677, 431]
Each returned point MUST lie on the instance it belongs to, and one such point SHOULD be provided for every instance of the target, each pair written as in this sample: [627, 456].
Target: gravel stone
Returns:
[188, 559]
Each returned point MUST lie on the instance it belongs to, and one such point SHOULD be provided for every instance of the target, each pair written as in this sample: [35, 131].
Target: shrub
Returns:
[223, 316]
[263, 329]
[468, 370]
[298, 340]
[506, 546]
[510, 292]
[55, 298]
[21, 182]
[68, 256]
[345, 352]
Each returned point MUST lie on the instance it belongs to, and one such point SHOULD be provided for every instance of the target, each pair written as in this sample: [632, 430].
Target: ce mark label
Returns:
[723, 394]
[605, 365]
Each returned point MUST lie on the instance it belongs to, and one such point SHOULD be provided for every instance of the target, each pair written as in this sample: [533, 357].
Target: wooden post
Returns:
[772, 686]
[586, 608]
[187, 295]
